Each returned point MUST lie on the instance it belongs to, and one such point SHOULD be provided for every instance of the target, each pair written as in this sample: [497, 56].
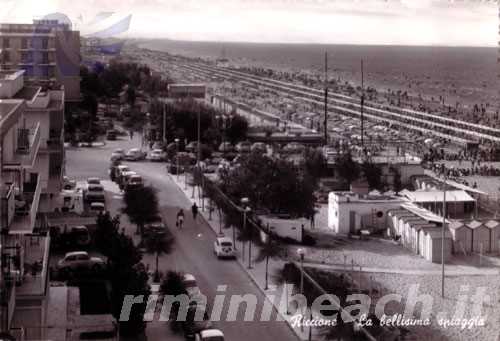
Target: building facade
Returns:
[31, 172]
[48, 52]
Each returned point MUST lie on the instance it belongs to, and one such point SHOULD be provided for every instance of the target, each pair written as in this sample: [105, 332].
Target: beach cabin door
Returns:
[352, 221]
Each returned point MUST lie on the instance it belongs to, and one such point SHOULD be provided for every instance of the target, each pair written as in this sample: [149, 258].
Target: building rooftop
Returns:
[27, 93]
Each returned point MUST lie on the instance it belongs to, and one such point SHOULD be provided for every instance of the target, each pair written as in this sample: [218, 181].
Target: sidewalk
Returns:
[257, 272]
[464, 272]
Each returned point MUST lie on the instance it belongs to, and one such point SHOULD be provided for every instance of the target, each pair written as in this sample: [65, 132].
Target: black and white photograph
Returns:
[250, 170]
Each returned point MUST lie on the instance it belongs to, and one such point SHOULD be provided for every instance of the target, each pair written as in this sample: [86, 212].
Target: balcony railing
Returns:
[7, 205]
[28, 143]
[7, 302]
[25, 216]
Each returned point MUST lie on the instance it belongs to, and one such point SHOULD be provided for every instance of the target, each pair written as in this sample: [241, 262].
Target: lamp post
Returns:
[301, 252]
[177, 157]
[443, 235]
[246, 208]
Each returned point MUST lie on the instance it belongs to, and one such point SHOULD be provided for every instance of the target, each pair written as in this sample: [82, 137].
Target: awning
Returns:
[437, 196]
[423, 213]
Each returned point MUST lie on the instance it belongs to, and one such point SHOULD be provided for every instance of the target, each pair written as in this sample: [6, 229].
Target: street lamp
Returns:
[301, 252]
[246, 208]
[177, 157]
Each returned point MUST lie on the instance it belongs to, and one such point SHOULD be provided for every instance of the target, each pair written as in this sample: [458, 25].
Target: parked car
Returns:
[191, 286]
[93, 181]
[122, 169]
[192, 146]
[210, 335]
[80, 235]
[155, 226]
[111, 135]
[117, 154]
[125, 177]
[223, 247]
[94, 193]
[135, 154]
[157, 155]
[80, 259]
[134, 181]
[243, 147]
[259, 146]
[226, 147]
[192, 326]
[294, 147]
[97, 207]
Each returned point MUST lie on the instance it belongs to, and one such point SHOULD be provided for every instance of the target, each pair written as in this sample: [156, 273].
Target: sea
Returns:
[464, 74]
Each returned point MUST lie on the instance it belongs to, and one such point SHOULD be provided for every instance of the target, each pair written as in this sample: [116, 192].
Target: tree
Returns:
[173, 285]
[270, 184]
[373, 174]
[315, 163]
[126, 272]
[396, 185]
[141, 206]
[159, 244]
[131, 96]
[346, 168]
[238, 129]
[271, 249]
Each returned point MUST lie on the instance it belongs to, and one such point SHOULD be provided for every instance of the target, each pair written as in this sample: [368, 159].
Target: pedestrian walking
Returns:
[180, 219]
[194, 209]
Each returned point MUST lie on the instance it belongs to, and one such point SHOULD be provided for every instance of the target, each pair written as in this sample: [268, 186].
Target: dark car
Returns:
[192, 326]
[111, 135]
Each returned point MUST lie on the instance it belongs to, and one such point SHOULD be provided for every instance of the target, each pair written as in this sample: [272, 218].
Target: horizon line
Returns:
[308, 43]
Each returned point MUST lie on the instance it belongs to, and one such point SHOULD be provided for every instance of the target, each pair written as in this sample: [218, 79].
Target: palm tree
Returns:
[270, 249]
[160, 244]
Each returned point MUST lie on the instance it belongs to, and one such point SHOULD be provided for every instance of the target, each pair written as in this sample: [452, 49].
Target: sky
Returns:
[373, 22]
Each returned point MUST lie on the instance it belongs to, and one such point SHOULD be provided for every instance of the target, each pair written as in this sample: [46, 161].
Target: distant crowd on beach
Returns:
[482, 113]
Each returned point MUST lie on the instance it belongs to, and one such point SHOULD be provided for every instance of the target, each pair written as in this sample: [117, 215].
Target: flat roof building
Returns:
[47, 50]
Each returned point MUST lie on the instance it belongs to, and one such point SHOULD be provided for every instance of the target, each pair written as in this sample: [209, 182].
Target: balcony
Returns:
[24, 218]
[7, 302]
[26, 264]
[28, 143]
[7, 205]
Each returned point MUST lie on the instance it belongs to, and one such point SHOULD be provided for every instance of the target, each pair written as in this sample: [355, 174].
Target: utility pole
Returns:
[326, 99]
[362, 105]
[442, 236]
[164, 123]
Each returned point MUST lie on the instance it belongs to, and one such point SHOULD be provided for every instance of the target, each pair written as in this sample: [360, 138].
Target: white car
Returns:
[210, 335]
[122, 169]
[135, 154]
[80, 259]
[97, 207]
[192, 288]
[223, 247]
[117, 154]
[134, 181]
[94, 193]
[157, 155]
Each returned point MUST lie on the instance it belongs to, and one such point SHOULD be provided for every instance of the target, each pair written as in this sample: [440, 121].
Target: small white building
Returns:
[349, 212]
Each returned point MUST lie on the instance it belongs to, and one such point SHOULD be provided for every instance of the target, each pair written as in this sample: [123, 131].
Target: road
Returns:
[193, 251]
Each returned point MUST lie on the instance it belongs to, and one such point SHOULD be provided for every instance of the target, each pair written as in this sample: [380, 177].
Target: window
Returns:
[6, 43]
[83, 257]
[24, 43]
[45, 43]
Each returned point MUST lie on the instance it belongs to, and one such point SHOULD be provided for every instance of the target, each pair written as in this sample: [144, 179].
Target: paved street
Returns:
[194, 244]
